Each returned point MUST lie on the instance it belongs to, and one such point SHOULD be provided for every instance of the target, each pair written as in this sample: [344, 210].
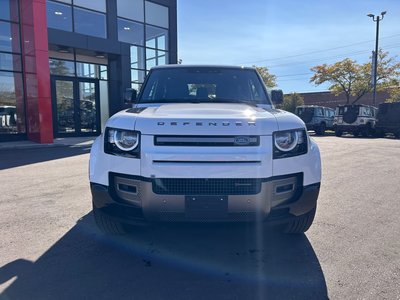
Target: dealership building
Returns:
[65, 64]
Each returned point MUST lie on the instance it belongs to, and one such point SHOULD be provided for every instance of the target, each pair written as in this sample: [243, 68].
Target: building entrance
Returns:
[75, 106]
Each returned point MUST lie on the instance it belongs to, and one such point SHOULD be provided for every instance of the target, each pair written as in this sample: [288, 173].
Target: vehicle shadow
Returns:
[170, 262]
[12, 158]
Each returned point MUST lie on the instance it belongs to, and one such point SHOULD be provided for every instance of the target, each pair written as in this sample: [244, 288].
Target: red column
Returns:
[35, 57]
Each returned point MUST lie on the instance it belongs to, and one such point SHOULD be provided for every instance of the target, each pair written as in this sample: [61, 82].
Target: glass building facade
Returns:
[64, 64]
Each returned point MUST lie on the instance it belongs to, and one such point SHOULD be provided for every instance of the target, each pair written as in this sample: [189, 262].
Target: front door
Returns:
[75, 106]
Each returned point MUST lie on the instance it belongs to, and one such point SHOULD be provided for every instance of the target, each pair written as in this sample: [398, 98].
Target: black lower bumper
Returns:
[304, 202]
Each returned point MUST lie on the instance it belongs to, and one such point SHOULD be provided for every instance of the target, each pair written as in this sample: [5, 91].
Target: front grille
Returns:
[199, 186]
[207, 141]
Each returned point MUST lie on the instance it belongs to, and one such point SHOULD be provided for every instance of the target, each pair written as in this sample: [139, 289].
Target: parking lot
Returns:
[51, 249]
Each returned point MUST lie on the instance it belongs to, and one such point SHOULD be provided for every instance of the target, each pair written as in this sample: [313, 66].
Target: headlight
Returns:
[122, 142]
[289, 143]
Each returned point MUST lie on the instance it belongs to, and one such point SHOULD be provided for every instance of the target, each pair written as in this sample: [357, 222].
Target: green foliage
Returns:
[268, 78]
[394, 94]
[291, 101]
[353, 79]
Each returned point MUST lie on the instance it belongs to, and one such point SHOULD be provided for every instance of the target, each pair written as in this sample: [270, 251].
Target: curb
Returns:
[38, 146]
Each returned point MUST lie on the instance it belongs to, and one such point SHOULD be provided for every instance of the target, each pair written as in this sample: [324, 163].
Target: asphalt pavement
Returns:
[50, 247]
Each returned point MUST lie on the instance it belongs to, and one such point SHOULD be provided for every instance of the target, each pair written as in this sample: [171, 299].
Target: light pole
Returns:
[375, 58]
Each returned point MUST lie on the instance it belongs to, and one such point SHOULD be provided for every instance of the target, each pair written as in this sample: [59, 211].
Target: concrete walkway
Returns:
[59, 142]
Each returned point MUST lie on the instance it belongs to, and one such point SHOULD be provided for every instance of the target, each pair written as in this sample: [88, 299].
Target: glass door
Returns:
[75, 106]
[87, 107]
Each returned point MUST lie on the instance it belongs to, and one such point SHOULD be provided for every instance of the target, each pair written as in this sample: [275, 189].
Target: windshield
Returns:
[204, 84]
[342, 109]
[301, 110]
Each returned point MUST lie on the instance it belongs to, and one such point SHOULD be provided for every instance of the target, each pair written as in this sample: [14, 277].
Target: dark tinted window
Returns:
[204, 84]
[319, 112]
[59, 16]
[302, 110]
[90, 23]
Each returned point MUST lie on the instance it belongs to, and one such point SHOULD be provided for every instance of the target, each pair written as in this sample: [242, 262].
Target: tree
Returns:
[353, 79]
[268, 78]
[394, 94]
[291, 101]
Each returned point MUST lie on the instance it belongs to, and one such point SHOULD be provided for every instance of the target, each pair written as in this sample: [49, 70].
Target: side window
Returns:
[319, 112]
[255, 93]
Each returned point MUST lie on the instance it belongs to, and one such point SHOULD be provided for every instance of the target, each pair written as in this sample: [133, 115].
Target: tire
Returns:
[321, 129]
[364, 132]
[107, 224]
[300, 224]
[338, 132]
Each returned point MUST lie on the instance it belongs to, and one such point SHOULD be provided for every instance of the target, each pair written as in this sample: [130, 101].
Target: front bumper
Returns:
[134, 200]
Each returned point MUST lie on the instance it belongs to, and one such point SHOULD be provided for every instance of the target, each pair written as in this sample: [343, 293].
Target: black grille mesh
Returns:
[199, 186]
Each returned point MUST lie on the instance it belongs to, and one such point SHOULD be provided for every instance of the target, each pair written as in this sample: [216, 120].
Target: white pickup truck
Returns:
[204, 144]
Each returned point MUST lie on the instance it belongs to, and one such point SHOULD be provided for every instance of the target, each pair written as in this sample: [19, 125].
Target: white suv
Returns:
[355, 119]
[204, 144]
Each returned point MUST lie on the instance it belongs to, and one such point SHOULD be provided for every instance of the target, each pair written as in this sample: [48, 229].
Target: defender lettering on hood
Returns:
[213, 124]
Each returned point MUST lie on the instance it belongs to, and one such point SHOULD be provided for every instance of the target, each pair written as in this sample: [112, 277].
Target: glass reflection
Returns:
[87, 106]
[12, 119]
[157, 14]
[59, 16]
[9, 37]
[10, 62]
[65, 106]
[131, 9]
[130, 32]
[9, 10]
[137, 57]
[62, 67]
[156, 38]
[90, 23]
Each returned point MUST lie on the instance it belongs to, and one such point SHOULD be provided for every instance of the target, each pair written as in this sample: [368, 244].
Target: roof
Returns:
[175, 66]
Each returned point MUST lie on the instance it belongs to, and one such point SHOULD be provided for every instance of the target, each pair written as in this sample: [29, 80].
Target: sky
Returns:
[287, 36]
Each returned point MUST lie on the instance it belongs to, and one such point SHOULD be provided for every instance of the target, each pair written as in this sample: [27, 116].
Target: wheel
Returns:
[321, 129]
[366, 131]
[338, 132]
[107, 224]
[300, 224]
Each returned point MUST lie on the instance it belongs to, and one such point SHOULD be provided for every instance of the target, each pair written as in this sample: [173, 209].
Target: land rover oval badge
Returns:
[241, 140]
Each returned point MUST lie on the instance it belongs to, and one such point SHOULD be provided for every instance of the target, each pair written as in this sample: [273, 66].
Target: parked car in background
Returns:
[8, 118]
[388, 119]
[355, 119]
[317, 118]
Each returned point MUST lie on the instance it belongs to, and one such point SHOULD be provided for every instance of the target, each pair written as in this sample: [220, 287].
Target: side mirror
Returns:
[277, 96]
[130, 96]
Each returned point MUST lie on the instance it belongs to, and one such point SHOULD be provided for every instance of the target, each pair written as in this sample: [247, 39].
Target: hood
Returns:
[205, 119]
